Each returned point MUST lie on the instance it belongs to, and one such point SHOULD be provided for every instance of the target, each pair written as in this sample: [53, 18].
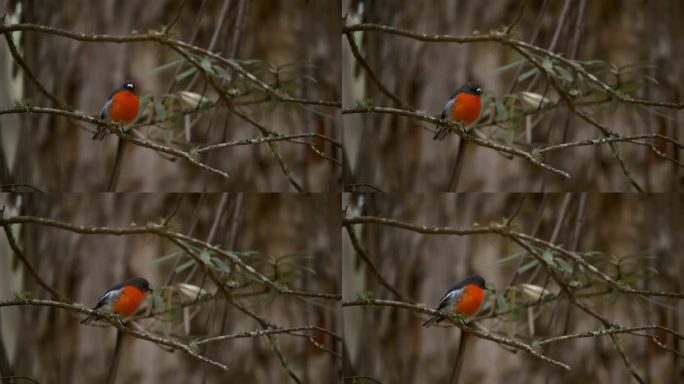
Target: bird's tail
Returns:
[90, 319]
[434, 320]
[442, 132]
[101, 132]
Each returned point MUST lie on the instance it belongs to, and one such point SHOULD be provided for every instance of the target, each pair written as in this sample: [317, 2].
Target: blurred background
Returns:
[638, 39]
[291, 238]
[293, 46]
[631, 237]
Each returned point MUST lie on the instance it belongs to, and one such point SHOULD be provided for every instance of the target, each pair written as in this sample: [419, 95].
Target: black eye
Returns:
[129, 86]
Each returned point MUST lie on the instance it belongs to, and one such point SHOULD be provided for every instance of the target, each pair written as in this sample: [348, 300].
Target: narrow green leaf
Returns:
[501, 111]
[159, 110]
[501, 302]
[186, 73]
[158, 301]
[563, 265]
[527, 266]
[304, 63]
[548, 258]
[637, 65]
[222, 265]
[565, 74]
[206, 257]
[528, 74]
[165, 257]
[612, 106]
[206, 65]
[506, 67]
[166, 66]
[222, 73]
[507, 259]
[184, 266]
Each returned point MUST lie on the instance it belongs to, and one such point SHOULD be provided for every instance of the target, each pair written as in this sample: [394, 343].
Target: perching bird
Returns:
[123, 298]
[464, 298]
[464, 106]
[122, 106]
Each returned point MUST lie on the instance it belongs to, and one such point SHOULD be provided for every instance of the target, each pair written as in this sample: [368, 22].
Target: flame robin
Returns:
[464, 106]
[123, 298]
[122, 106]
[463, 298]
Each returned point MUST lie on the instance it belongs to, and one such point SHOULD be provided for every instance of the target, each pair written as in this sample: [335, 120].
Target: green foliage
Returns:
[25, 104]
[364, 104]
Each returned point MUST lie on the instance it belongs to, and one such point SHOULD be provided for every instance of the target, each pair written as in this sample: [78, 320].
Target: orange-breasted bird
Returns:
[464, 298]
[464, 105]
[122, 106]
[123, 298]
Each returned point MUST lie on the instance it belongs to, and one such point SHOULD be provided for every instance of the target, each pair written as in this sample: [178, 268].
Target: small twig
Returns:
[17, 57]
[175, 18]
[20, 254]
[359, 57]
[362, 253]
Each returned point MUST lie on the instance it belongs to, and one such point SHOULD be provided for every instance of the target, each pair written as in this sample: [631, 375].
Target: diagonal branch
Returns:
[13, 244]
[362, 253]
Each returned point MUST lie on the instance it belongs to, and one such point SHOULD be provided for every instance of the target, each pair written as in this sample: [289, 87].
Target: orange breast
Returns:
[466, 108]
[471, 300]
[129, 301]
[125, 107]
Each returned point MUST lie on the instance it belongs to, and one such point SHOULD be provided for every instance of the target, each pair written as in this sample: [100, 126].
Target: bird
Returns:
[463, 298]
[464, 106]
[122, 106]
[123, 298]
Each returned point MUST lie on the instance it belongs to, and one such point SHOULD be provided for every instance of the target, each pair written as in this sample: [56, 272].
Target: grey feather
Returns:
[104, 115]
[442, 131]
[106, 110]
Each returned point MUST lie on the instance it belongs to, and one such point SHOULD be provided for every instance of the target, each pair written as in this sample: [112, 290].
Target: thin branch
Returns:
[605, 140]
[17, 57]
[609, 331]
[512, 234]
[160, 37]
[482, 142]
[362, 253]
[176, 238]
[264, 332]
[29, 268]
[488, 336]
[140, 142]
[115, 321]
[359, 57]
[261, 140]
[499, 37]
